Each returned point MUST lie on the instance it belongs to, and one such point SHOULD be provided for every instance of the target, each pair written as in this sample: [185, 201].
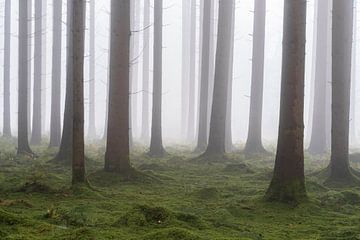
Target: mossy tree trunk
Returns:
[117, 156]
[254, 142]
[55, 121]
[341, 82]
[78, 42]
[156, 146]
[23, 142]
[288, 182]
[216, 144]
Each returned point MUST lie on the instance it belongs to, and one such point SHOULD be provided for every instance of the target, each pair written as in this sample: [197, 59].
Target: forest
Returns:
[179, 119]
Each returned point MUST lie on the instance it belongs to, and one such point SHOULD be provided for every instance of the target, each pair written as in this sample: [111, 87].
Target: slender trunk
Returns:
[156, 146]
[192, 73]
[288, 183]
[78, 31]
[117, 150]
[216, 144]
[36, 122]
[318, 134]
[185, 71]
[55, 122]
[29, 62]
[23, 142]
[254, 141]
[92, 127]
[146, 75]
[204, 82]
[229, 147]
[7, 45]
[353, 134]
[65, 152]
[44, 120]
[341, 81]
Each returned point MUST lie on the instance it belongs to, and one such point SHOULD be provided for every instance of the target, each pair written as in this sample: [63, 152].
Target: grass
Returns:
[171, 198]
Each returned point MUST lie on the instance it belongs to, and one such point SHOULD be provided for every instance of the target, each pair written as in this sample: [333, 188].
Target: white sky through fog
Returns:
[172, 65]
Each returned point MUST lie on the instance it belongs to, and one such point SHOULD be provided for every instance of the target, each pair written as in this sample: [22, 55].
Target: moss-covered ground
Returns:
[171, 198]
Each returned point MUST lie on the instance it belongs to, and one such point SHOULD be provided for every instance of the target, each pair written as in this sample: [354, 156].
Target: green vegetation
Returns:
[171, 198]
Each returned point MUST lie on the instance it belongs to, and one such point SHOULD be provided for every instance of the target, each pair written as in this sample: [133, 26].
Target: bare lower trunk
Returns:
[7, 45]
[216, 144]
[23, 142]
[55, 121]
[288, 183]
[156, 146]
[117, 157]
[36, 123]
[145, 126]
[78, 31]
[254, 142]
[341, 81]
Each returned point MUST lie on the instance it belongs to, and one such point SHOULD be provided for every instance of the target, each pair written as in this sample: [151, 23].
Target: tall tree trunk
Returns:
[44, 75]
[55, 121]
[23, 142]
[78, 31]
[92, 127]
[254, 141]
[229, 147]
[341, 81]
[288, 183]
[117, 157]
[185, 66]
[204, 80]
[7, 46]
[192, 72]
[216, 144]
[145, 126]
[29, 62]
[318, 135]
[156, 146]
[36, 122]
[353, 105]
[65, 152]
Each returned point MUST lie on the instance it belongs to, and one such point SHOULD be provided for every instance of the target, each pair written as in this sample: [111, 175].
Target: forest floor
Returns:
[171, 198]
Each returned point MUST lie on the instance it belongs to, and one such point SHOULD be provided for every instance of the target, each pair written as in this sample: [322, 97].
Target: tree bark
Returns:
[254, 141]
[288, 183]
[216, 144]
[353, 105]
[78, 42]
[92, 127]
[7, 46]
[23, 142]
[29, 62]
[65, 152]
[318, 134]
[341, 80]
[156, 146]
[204, 80]
[145, 126]
[117, 157]
[36, 122]
[55, 122]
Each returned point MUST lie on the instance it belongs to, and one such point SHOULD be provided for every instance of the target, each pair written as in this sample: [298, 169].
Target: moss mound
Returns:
[237, 168]
[208, 193]
[172, 234]
[10, 219]
[340, 198]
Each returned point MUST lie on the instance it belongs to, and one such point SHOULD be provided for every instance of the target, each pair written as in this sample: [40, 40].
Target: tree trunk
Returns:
[117, 157]
[92, 127]
[204, 78]
[78, 42]
[341, 81]
[29, 62]
[44, 75]
[288, 183]
[23, 142]
[156, 146]
[185, 71]
[254, 141]
[145, 126]
[216, 144]
[65, 152]
[353, 105]
[55, 122]
[192, 73]
[7, 46]
[318, 134]
[36, 122]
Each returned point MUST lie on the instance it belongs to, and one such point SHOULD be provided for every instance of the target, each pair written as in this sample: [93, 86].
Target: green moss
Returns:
[172, 234]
